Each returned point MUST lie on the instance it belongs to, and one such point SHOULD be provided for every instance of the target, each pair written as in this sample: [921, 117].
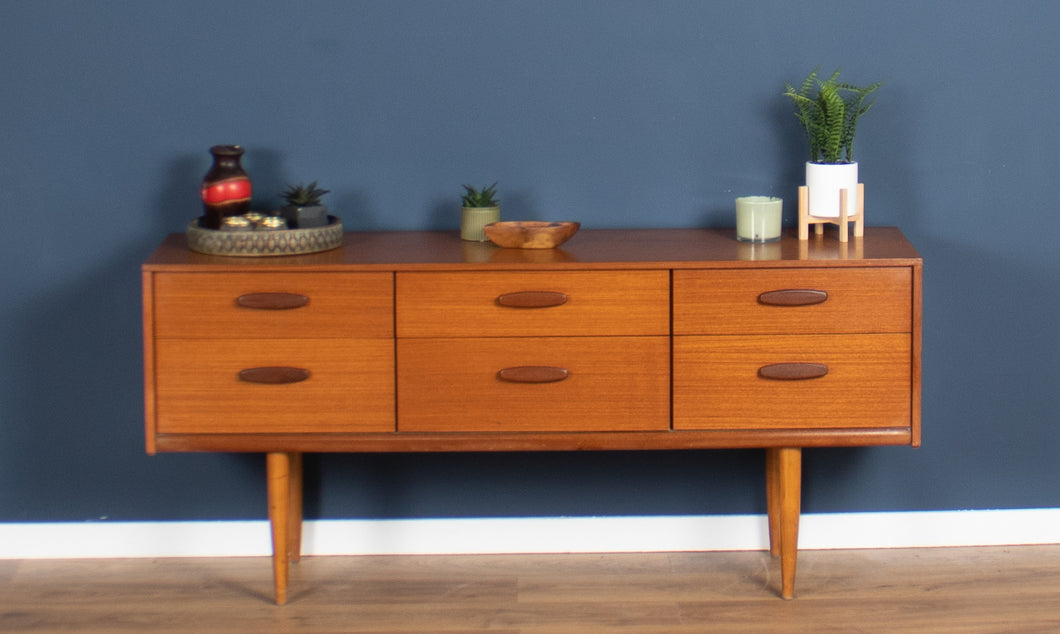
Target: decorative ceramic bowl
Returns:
[531, 234]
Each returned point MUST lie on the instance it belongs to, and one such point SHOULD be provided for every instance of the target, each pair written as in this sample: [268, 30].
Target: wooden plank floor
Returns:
[998, 589]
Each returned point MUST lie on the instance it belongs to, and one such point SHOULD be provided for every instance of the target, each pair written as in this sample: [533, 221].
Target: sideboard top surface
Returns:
[588, 249]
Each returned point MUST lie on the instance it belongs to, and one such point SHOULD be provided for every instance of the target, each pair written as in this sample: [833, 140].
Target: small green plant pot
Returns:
[474, 219]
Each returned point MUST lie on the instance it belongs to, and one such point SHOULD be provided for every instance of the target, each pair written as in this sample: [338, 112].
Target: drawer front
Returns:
[856, 300]
[535, 303]
[508, 384]
[718, 382]
[349, 387]
[264, 305]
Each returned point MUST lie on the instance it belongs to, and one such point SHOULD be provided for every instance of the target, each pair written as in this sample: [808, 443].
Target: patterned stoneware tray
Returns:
[265, 243]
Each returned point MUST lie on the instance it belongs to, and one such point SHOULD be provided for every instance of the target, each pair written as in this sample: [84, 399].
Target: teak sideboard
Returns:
[618, 340]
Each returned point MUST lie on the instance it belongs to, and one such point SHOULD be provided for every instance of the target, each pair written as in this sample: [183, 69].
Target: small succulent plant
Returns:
[485, 197]
[302, 195]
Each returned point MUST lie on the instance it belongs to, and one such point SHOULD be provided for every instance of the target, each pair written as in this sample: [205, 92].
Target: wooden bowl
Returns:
[531, 234]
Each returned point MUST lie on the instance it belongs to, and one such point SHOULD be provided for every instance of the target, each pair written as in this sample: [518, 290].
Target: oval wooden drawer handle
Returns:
[793, 371]
[793, 297]
[532, 299]
[533, 374]
[274, 375]
[272, 301]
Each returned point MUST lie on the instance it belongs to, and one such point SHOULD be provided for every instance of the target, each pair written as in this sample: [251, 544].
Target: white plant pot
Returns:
[823, 182]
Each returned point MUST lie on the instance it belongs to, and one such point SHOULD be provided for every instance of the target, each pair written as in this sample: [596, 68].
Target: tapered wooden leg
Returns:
[278, 467]
[773, 502]
[784, 495]
[294, 510]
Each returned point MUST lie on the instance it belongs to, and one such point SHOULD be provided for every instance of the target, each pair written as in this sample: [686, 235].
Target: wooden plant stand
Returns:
[845, 217]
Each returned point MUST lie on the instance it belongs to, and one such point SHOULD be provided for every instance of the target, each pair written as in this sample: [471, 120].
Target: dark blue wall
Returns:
[615, 113]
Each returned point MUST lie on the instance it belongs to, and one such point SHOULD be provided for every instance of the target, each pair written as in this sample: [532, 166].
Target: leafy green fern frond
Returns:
[829, 112]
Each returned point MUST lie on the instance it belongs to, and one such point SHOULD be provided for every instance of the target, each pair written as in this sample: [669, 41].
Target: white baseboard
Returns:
[529, 535]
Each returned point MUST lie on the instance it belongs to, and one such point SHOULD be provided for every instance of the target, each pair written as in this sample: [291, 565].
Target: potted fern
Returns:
[304, 209]
[480, 208]
[829, 111]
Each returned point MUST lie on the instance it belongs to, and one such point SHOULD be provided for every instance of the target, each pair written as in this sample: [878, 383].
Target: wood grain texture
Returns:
[917, 299]
[278, 467]
[316, 352]
[272, 301]
[998, 589]
[530, 234]
[598, 303]
[590, 249]
[784, 503]
[727, 302]
[350, 386]
[613, 383]
[205, 305]
[419, 442]
[717, 382]
[147, 290]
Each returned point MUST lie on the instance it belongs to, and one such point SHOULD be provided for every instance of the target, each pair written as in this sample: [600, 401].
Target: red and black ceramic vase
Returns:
[226, 187]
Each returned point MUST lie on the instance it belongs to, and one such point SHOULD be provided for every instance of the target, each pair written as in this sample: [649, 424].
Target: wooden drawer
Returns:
[577, 303]
[864, 300]
[349, 388]
[717, 382]
[613, 383]
[208, 305]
